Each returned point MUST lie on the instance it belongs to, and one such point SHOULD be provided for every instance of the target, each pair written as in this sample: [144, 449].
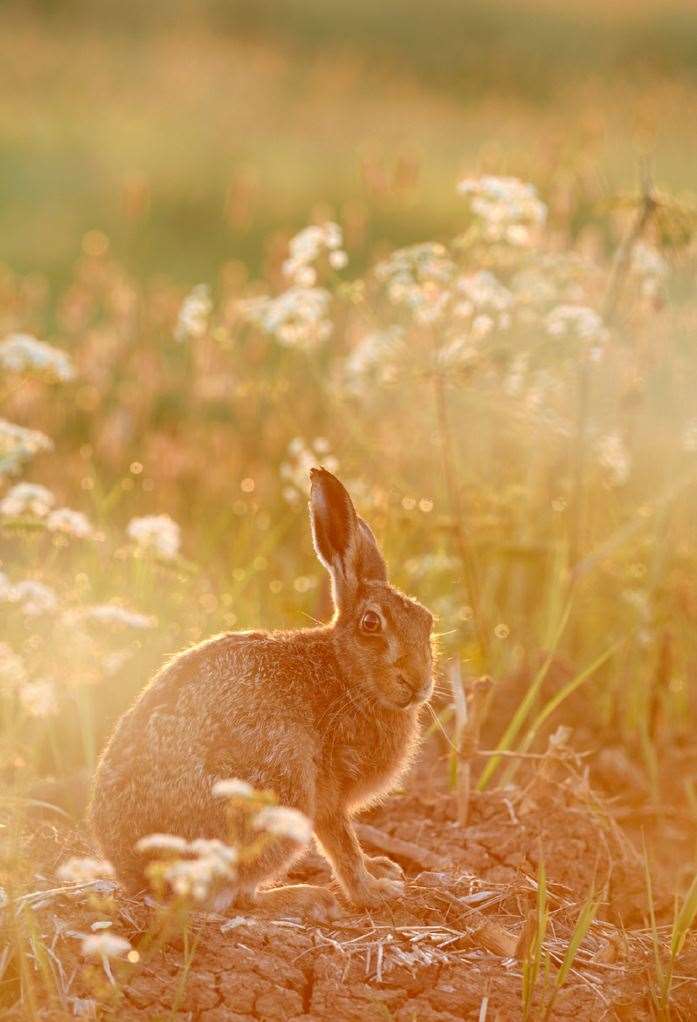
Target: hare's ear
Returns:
[344, 543]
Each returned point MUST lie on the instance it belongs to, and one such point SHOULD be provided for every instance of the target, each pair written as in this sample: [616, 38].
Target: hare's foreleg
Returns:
[339, 843]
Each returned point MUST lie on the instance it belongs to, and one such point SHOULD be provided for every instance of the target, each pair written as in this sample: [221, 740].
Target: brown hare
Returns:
[327, 717]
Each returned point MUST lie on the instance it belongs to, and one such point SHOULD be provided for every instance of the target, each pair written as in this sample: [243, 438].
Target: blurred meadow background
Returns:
[503, 372]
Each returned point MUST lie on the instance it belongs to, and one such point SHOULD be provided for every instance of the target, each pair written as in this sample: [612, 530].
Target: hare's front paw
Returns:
[376, 891]
[380, 866]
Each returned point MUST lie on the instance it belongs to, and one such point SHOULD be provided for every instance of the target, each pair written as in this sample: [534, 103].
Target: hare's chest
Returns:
[367, 769]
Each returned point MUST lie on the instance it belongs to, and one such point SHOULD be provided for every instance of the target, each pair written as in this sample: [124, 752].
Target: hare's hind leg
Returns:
[300, 900]
[288, 899]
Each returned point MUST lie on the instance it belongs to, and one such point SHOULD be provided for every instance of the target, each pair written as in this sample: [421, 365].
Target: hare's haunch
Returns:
[328, 718]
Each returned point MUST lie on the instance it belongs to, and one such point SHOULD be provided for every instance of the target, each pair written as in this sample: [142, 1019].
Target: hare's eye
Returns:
[370, 622]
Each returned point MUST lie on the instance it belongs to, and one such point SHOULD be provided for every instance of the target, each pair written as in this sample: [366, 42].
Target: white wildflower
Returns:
[72, 523]
[507, 208]
[232, 787]
[194, 878]
[418, 278]
[193, 316]
[283, 821]
[113, 662]
[648, 264]
[168, 843]
[158, 533]
[484, 291]
[39, 698]
[614, 458]
[27, 498]
[307, 246]
[4, 898]
[13, 672]
[113, 614]
[18, 445]
[78, 870]
[34, 598]
[338, 260]
[221, 856]
[297, 318]
[189, 878]
[22, 353]
[374, 358]
[581, 323]
[104, 945]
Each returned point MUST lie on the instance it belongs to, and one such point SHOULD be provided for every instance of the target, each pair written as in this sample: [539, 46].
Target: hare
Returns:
[326, 717]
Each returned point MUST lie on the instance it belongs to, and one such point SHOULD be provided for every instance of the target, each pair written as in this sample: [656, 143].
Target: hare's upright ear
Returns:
[344, 543]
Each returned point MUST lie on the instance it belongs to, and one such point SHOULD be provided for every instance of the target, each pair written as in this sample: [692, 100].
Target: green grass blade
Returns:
[526, 704]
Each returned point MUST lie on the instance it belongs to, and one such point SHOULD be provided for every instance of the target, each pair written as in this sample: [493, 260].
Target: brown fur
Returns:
[314, 714]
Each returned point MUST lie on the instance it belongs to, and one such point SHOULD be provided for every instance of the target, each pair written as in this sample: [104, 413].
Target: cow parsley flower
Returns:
[27, 499]
[297, 318]
[113, 614]
[170, 844]
[72, 523]
[23, 353]
[13, 672]
[18, 445]
[418, 278]
[482, 291]
[507, 208]
[580, 323]
[34, 598]
[282, 821]
[232, 787]
[39, 698]
[194, 314]
[104, 945]
[194, 878]
[158, 534]
[374, 357]
[78, 870]
[650, 266]
[306, 248]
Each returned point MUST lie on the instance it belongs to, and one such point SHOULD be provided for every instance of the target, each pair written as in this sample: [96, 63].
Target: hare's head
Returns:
[384, 637]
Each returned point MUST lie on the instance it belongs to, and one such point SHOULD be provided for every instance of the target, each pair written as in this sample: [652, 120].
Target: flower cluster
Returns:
[297, 318]
[578, 323]
[18, 445]
[194, 313]
[32, 597]
[649, 266]
[27, 499]
[418, 278]
[507, 209]
[111, 614]
[207, 863]
[104, 945]
[77, 870]
[13, 671]
[157, 534]
[39, 698]
[23, 353]
[308, 246]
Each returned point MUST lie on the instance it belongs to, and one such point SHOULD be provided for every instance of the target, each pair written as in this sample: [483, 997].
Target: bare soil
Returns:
[452, 949]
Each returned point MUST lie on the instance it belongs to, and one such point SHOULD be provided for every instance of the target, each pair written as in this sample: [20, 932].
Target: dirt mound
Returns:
[453, 948]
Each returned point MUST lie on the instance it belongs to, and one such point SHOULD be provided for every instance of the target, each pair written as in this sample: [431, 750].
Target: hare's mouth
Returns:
[410, 694]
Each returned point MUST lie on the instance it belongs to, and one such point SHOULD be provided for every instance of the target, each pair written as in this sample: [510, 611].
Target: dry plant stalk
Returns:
[470, 701]
[558, 749]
